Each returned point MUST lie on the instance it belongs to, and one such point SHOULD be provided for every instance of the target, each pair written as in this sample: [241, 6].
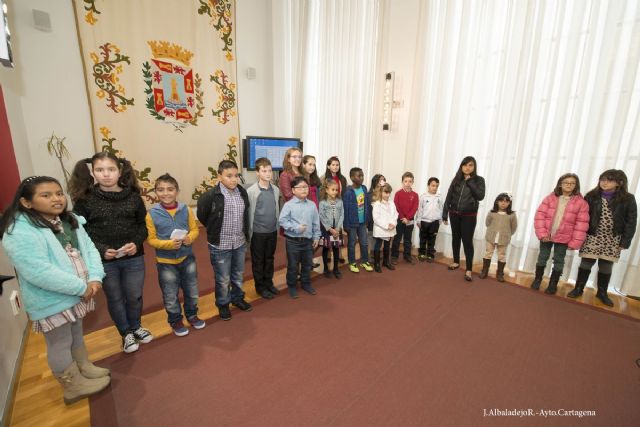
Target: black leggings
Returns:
[462, 228]
[604, 266]
[336, 257]
[381, 243]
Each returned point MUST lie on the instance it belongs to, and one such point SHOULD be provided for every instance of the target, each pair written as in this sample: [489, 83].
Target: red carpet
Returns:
[152, 295]
[418, 346]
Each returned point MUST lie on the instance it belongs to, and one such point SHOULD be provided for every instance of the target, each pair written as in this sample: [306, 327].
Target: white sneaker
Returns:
[129, 343]
[143, 335]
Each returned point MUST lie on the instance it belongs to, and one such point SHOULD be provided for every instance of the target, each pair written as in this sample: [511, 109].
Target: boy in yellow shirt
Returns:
[172, 229]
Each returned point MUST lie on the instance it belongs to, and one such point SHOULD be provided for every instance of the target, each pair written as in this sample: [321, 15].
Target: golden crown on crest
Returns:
[162, 49]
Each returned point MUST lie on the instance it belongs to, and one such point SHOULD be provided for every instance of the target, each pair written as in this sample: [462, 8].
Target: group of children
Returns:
[599, 225]
[64, 258]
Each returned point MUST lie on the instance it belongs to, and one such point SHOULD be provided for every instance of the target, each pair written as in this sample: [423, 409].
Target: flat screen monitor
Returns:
[270, 147]
[6, 58]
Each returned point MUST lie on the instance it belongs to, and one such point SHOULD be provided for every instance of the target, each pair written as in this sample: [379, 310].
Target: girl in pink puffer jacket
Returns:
[561, 222]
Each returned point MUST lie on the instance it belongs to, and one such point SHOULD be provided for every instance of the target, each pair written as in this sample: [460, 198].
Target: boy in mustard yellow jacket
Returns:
[172, 230]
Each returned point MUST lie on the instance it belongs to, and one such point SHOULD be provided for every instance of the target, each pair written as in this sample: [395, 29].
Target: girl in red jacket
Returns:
[561, 222]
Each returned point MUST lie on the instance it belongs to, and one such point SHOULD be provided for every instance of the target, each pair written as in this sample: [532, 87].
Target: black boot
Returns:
[376, 261]
[553, 282]
[336, 267]
[485, 268]
[603, 285]
[538, 279]
[581, 281]
[500, 272]
[385, 259]
[325, 261]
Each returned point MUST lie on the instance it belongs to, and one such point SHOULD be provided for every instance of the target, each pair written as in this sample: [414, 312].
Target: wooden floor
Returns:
[38, 400]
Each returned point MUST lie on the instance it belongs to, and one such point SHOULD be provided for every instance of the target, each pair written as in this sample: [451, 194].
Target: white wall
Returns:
[253, 41]
[398, 38]
[51, 88]
[253, 50]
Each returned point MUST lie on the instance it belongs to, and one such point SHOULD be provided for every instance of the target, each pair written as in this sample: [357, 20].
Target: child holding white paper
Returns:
[105, 191]
[172, 229]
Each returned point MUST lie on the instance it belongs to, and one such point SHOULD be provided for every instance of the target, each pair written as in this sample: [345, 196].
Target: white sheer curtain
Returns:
[532, 89]
[324, 67]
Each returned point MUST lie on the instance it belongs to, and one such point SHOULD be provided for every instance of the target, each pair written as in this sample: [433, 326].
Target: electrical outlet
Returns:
[14, 299]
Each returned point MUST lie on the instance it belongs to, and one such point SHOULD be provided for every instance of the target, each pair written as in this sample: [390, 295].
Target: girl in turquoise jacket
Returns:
[59, 271]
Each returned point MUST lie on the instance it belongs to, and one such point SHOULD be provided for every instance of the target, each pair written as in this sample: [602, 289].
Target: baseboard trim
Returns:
[13, 389]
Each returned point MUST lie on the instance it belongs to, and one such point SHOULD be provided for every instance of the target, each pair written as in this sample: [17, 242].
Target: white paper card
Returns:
[178, 234]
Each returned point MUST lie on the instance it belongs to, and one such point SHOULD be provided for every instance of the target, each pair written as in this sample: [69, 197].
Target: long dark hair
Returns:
[327, 173]
[82, 181]
[27, 189]
[503, 196]
[374, 182]
[313, 177]
[459, 175]
[617, 175]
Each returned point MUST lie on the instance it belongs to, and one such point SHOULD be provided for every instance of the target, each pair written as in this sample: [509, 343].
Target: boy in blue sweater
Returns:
[356, 206]
[172, 230]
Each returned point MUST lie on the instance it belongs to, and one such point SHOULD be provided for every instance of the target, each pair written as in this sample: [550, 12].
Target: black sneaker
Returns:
[143, 335]
[266, 294]
[225, 313]
[273, 290]
[309, 289]
[243, 305]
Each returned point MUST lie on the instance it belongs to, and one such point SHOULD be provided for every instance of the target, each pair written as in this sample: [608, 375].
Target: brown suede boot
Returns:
[76, 387]
[88, 369]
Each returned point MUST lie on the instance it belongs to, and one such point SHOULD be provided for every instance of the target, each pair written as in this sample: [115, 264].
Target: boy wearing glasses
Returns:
[301, 223]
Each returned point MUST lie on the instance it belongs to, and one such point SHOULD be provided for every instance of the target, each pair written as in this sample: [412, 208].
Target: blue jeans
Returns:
[299, 253]
[123, 288]
[228, 266]
[172, 278]
[361, 232]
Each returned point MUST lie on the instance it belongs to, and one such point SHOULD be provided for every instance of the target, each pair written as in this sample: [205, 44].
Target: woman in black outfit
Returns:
[461, 208]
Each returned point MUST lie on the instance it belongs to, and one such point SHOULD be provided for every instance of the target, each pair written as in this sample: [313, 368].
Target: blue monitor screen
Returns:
[271, 148]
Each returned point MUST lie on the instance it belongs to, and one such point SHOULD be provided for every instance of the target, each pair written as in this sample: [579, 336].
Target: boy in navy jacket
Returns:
[356, 207]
